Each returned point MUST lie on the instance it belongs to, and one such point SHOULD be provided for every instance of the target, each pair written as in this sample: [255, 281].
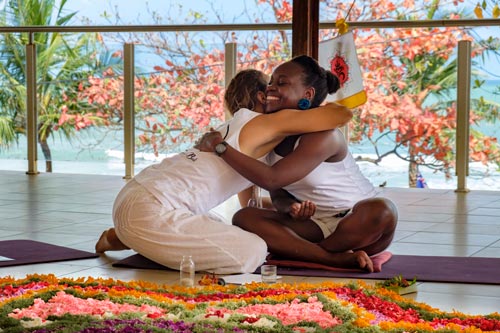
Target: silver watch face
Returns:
[220, 148]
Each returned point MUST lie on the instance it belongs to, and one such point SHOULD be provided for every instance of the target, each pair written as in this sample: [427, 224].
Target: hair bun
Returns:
[333, 82]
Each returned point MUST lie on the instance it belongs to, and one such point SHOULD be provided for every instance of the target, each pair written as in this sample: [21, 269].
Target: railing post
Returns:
[31, 107]
[128, 110]
[230, 64]
[463, 110]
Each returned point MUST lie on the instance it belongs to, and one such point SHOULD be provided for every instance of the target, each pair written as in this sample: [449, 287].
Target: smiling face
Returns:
[286, 88]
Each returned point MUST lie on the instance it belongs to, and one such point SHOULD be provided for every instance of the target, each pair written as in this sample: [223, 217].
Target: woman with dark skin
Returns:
[163, 212]
[350, 223]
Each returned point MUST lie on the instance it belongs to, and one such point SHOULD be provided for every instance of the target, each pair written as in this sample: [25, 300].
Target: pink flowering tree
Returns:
[409, 75]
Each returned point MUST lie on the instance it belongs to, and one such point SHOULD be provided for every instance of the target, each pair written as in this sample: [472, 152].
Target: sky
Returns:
[227, 11]
[134, 12]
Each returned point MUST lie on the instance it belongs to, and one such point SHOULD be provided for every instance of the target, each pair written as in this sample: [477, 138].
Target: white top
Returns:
[333, 187]
[198, 181]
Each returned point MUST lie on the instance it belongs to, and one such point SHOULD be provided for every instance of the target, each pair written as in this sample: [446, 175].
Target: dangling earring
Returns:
[304, 104]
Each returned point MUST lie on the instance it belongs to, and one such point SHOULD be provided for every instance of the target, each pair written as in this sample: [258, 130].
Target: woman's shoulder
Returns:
[244, 115]
[244, 111]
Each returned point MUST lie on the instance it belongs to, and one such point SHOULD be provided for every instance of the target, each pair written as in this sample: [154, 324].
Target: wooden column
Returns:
[305, 28]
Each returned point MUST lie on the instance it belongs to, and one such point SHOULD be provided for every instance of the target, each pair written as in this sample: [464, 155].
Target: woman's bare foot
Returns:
[109, 242]
[356, 259]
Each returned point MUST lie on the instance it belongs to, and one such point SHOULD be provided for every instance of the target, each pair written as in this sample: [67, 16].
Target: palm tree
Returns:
[62, 62]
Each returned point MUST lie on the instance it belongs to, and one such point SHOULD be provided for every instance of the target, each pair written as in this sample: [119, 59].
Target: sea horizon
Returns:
[390, 172]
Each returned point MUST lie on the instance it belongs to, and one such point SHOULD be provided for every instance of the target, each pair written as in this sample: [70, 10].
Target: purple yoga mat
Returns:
[425, 268]
[477, 270]
[139, 262]
[23, 252]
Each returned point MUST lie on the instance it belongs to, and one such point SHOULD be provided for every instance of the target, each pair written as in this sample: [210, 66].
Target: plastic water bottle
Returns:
[187, 271]
[256, 199]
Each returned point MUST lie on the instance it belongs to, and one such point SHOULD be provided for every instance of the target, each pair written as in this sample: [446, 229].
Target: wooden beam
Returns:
[305, 28]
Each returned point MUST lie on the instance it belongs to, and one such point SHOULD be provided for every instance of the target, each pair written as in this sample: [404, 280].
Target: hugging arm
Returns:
[312, 149]
[282, 200]
[260, 135]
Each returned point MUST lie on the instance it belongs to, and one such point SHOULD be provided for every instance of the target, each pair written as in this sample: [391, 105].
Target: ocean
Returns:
[96, 151]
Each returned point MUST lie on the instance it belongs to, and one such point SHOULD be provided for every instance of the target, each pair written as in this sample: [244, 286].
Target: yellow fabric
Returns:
[354, 100]
[342, 26]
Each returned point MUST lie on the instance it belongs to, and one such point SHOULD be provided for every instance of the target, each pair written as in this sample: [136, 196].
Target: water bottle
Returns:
[187, 271]
[256, 199]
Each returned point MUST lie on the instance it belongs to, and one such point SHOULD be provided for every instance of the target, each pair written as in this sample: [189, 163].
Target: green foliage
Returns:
[11, 323]
[336, 308]
[350, 328]
[8, 133]
[66, 61]
[61, 62]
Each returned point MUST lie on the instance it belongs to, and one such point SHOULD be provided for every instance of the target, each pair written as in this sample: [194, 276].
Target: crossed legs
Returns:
[368, 230]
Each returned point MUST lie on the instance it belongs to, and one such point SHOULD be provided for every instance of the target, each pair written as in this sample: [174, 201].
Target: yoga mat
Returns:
[139, 262]
[23, 252]
[477, 270]
[425, 268]
[377, 260]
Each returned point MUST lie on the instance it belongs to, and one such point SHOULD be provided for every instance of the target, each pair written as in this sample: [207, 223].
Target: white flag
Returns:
[339, 56]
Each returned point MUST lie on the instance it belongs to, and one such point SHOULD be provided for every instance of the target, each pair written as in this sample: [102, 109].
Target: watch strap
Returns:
[221, 148]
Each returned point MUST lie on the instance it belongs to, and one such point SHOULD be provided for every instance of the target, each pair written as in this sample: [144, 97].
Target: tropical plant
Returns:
[61, 63]
[409, 74]
[185, 94]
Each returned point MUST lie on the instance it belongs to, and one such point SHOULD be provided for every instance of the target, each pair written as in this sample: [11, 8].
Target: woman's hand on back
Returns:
[208, 141]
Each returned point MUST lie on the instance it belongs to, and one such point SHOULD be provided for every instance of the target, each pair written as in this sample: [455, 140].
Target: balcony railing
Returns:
[463, 84]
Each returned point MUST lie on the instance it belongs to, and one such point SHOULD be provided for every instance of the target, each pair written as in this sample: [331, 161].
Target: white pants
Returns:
[164, 235]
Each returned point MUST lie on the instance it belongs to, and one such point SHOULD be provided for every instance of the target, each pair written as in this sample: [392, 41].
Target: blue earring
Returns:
[304, 104]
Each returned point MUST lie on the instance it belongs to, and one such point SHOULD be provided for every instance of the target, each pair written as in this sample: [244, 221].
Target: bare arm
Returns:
[246, 195]
[263, 133]
[286, 203]
[282, 200]
[313, 149]
[260, 135]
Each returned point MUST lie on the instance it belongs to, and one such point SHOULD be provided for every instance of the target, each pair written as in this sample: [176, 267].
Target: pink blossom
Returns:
[63, 303]
[294, 312]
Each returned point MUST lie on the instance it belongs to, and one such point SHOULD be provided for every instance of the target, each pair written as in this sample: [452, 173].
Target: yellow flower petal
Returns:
[478, 11]
[496, 11]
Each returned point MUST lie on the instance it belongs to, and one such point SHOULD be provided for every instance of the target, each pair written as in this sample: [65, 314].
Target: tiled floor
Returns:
[73, 210]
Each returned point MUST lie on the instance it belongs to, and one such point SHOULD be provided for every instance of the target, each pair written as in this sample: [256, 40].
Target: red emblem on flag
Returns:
[339, 67]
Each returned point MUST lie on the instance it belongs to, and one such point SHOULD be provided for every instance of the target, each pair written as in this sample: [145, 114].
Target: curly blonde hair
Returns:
[243, 88]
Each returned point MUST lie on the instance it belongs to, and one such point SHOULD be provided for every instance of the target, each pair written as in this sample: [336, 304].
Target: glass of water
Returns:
[268, 273]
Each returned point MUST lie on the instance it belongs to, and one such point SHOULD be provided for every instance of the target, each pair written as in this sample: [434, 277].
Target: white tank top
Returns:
[333, 187]
[198, 181]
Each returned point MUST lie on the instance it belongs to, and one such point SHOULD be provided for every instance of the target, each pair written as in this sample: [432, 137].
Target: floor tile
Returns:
[433, 249]
[451, 238]
[432, 222]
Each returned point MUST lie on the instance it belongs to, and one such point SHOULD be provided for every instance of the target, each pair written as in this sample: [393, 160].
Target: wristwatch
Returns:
[220, 148]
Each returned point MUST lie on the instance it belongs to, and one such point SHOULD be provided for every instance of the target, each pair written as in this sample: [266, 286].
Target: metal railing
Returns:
[463, 84]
